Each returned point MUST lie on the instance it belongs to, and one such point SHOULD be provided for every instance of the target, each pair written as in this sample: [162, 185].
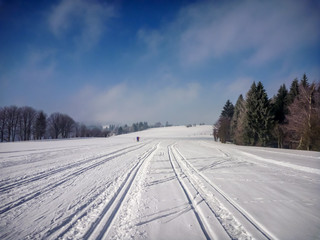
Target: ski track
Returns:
[207, 231]
[99, 229]
[30, 196]
[105, 194]
[28, 179]
[62, 175]
[101, 210]
[225, 217]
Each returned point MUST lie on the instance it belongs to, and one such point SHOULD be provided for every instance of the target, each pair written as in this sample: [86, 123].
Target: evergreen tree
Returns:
[280, 107]
[228, 110]
[280, 110]
[237, 121]
[120, 131]
[224, 122]
[135, 127]
[259, 118]
[294, 91]
[140, 126]
[250, 135]
[304, 81]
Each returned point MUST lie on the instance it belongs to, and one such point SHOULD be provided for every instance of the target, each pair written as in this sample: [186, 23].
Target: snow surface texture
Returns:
[176, 183]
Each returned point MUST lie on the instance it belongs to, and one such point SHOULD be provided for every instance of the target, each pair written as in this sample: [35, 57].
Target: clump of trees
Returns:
[26, 123]
[135, 127]
[291, 119]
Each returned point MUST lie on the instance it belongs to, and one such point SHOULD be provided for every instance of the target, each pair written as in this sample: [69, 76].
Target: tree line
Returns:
[290, 119]
[26, 123]
[135, 127]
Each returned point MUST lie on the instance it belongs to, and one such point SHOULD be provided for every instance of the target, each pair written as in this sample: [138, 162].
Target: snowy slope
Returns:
[176, 183]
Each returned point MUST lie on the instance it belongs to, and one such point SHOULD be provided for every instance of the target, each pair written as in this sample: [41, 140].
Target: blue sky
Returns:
[127, 61]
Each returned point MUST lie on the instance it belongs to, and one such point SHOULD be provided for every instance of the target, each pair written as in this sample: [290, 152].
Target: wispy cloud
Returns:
[264, 30]
[39, 67]
[84, 21]
[124, 103]
[152, 39]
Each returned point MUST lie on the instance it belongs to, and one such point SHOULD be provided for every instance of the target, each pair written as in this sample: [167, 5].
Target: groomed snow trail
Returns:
[177, 183]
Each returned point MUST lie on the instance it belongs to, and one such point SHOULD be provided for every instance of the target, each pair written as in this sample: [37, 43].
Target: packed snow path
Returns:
[176, 183]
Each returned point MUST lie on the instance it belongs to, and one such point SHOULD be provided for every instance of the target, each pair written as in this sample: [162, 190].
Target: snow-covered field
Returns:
[176, 183]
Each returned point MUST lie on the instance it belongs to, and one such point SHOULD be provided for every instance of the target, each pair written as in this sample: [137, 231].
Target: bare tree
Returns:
[224, 129]
[66, 125]
[83, 130]
[12, 119]
[224, 122]
[304, 117]
[215, 131]
[40, 125]
[26, 122]
[60, 125]
[3, 121]
[54, 125]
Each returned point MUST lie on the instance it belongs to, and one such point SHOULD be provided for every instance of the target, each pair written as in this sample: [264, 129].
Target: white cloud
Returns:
[86, 20]
[267, 29]
[125, 104]
[263, 30]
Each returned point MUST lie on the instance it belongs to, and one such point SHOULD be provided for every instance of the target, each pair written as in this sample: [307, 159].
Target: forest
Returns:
[290, 119]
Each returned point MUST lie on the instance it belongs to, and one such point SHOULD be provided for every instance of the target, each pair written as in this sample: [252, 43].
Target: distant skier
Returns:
[138, 139]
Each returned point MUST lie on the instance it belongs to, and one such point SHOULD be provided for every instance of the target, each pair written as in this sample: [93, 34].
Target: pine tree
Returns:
[250, 134]
[294, 91]
[280, 106]
[120, 131]
[259, 118]
[224, 122]
[304, 81]
[228, 110]
[280, 110]
[267, 119]
[237, 121]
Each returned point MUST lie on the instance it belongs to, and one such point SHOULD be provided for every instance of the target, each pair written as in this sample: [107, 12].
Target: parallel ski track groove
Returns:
[70, 221]
[43, 152]
[183, 187]
[116, 201]
[64, 179]
[254, 223]
[8, 186]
